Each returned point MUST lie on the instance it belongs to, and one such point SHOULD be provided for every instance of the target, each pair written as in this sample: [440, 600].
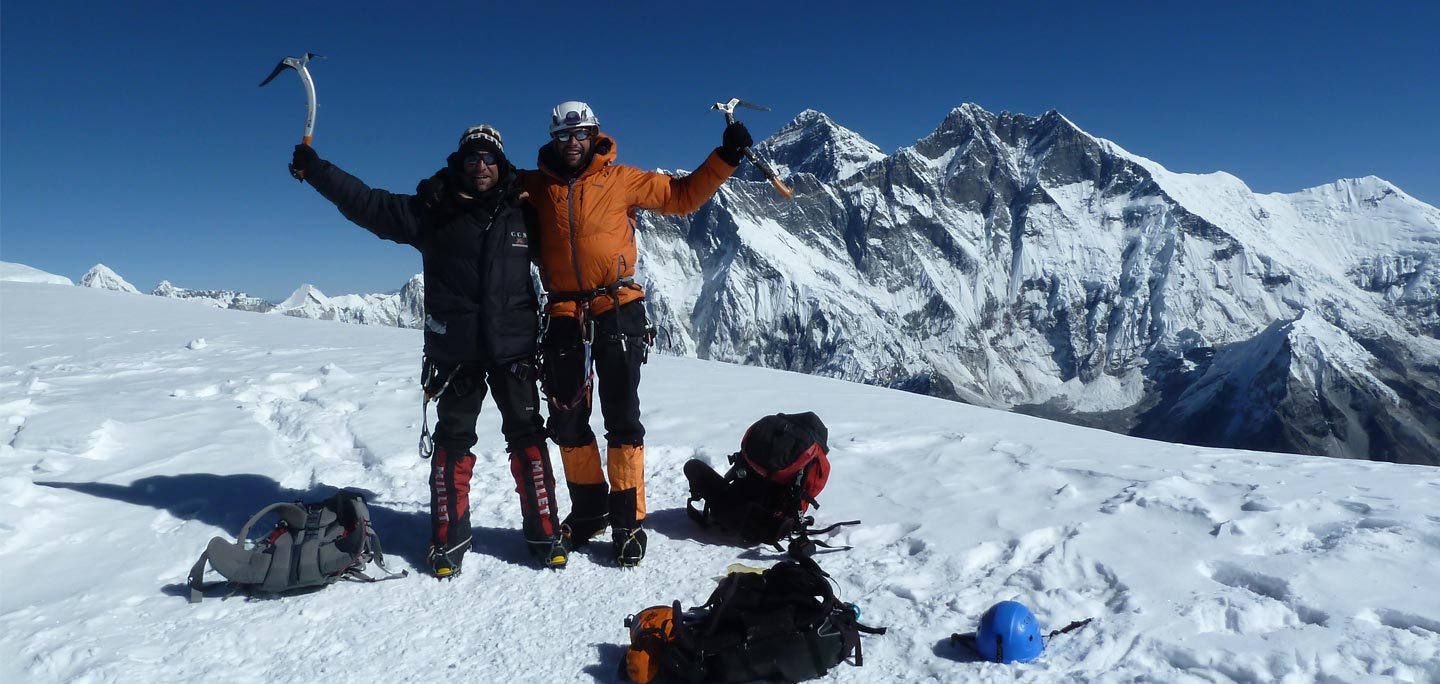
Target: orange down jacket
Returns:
[587, 224]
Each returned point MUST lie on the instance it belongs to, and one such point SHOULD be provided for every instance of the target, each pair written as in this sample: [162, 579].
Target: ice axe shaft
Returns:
[729, 110]
[298, 64]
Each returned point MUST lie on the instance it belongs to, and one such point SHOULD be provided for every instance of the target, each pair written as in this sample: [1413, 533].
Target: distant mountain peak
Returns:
[1363, 187]
[965, 117]
[303, 296]
[813, 143]
[973, 114]
[961, 125]
[973, 149]
[810, 116]
[102, 278]
[1053, 117]
[1006, 125]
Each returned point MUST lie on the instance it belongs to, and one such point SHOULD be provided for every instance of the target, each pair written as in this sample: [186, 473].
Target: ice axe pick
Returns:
[298, 64]
[729, 109]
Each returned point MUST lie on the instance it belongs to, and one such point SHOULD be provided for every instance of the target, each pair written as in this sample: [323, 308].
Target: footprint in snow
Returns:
[874, 536]
[1258, 615]
[1428, 628]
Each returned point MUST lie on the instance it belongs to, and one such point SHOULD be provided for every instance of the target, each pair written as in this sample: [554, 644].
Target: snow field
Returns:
[126, 448]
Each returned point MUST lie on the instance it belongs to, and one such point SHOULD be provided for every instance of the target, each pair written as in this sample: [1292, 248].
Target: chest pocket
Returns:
[517, 238]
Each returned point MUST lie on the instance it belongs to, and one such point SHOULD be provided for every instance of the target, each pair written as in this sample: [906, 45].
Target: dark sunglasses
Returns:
[474, 158]
[578, 134]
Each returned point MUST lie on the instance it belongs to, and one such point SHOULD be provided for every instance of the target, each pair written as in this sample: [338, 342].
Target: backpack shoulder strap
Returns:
[197, 573]
[366, 541]
[304, 567]
[705, 486]
[721, 600]
[292, 514]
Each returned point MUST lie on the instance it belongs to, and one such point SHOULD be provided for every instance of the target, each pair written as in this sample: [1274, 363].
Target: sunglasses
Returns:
[475, 158]
[578, 134]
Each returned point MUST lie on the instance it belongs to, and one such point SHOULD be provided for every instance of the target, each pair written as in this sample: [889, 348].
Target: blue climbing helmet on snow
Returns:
[1009, 633]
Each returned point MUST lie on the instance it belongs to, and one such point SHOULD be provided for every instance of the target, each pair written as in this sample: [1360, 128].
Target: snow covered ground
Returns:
[133, 429]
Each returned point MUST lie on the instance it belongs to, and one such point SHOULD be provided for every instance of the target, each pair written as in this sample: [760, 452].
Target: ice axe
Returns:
[729, 109]
[298, 64]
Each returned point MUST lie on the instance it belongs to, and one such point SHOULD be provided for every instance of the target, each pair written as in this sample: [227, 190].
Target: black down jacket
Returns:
[480, 303]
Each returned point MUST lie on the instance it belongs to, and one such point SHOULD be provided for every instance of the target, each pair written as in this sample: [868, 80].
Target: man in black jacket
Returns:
[481, 320]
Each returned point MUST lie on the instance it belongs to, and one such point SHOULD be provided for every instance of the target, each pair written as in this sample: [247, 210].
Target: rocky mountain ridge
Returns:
[1021, 263]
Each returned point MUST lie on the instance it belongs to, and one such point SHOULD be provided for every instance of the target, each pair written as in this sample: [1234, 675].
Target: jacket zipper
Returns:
[574, 245]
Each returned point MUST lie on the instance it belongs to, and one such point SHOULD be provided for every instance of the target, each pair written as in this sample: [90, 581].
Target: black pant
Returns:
[513, 387]
[452, 463]
[617, 371]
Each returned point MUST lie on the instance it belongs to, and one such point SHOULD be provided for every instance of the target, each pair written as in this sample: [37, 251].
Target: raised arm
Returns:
[670, 195]
[388, 215]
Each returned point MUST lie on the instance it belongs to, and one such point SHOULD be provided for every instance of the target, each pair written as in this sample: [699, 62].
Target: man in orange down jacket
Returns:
[586, 205]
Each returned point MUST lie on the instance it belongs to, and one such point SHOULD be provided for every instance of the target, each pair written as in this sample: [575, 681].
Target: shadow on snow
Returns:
[227, 501]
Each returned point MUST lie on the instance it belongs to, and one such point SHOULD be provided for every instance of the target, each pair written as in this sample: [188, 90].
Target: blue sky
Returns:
[133, 134]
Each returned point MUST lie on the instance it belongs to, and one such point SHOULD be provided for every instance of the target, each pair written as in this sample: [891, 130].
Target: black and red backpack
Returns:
[774, 479]
[782, 624]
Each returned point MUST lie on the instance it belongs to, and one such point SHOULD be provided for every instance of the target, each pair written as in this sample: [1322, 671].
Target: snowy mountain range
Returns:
[1018, 262]
[125, 446]
[223, 299]
[401, 309]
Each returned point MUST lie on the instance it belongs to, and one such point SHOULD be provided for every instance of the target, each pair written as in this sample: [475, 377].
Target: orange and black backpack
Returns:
[782, 624]
[774, 479]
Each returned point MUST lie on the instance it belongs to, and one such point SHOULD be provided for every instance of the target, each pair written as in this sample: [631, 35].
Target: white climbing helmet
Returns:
[572, 114]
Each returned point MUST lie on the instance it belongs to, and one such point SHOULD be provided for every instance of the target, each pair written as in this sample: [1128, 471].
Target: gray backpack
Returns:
[312, 545]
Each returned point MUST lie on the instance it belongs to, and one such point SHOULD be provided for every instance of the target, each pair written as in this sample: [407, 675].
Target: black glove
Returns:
[732, 147]
[435, 190]
[438, 197]
[304, 160]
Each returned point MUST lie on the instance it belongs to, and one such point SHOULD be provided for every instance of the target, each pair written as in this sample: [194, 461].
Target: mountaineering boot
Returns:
[588, 513]
[445, 565]
[449, 510]
[626, 466]
[627, 538]
[629, 545]
[535, 483]
[585, 479]
[552, 553]
[579, 531]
